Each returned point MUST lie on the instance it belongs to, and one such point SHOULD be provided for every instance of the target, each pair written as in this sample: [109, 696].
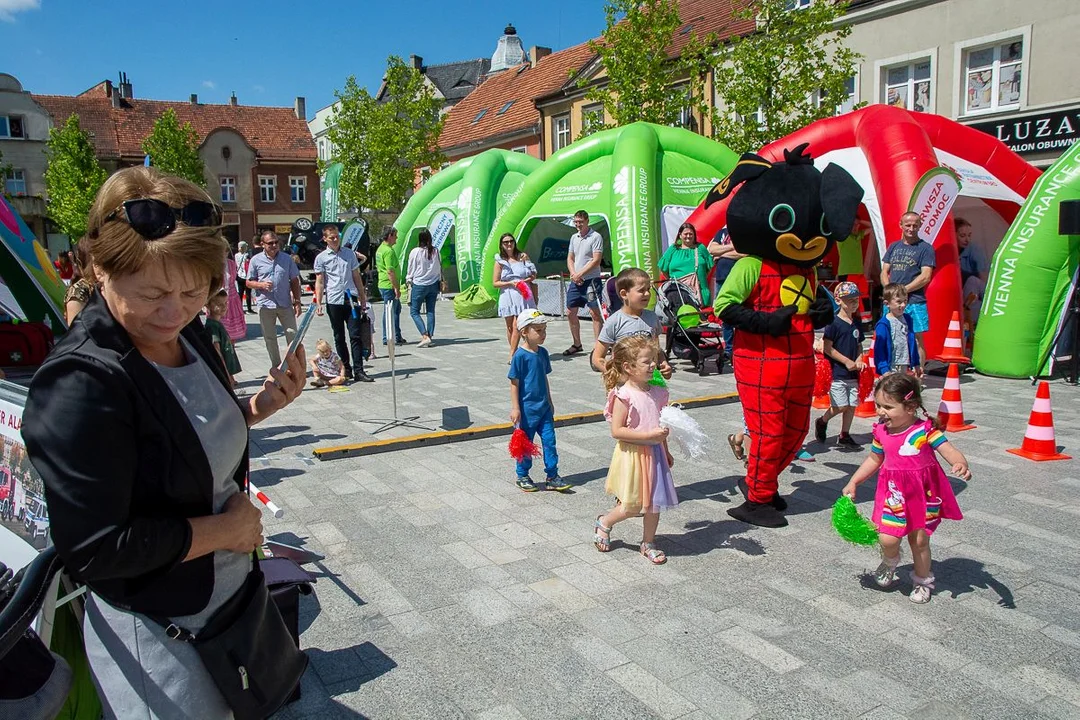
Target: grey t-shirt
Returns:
[898, 328]
[621, 324]
[906, 262]
[583, 249]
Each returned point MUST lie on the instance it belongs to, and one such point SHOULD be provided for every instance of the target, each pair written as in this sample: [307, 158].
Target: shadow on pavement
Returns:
[718, 489]
[702, 537]
[269, 477]
[584, 478]
[456, 418]
[959, 576]
[439, 342]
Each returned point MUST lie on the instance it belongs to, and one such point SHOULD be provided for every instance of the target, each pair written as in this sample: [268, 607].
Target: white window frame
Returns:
[818, 100]
[961, 49]
[799, 4]
[268, 188]
[227, 182]
[883, 65]
[523, 149]
[7, 127]
[297, 182]
[9, 178]
[556, 145]
[323, 155]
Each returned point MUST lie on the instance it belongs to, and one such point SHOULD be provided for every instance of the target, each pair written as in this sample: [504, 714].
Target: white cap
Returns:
[532, 316]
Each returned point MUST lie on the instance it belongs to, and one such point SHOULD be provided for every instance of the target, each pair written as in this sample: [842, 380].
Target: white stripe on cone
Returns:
[953, 407]
[1042, 405]
[1035, 432]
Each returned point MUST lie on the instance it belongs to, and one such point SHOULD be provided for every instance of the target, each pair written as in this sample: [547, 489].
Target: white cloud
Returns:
[205, 83]
[8, 8]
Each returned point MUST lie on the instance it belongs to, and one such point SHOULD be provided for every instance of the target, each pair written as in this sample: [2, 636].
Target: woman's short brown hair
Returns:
[117, 249]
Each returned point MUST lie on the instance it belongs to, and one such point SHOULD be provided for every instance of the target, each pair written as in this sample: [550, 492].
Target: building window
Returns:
[11, 126]
[561, 131]
[425, 175]
[505, 107]
[797, 4]
[523, 149]
[592, 116]
[15, 182]
[228, 189]
[268, 188]
[847, 103]
[298, 189]
[323, 154]
[909, 86]
[992, 76]
[480, 115]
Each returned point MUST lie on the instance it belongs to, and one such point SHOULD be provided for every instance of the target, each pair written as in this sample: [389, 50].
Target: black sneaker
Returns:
[361, 376]
[845, 440]
[526, 484]
[557, 484]
[401, 341]
[820, 428]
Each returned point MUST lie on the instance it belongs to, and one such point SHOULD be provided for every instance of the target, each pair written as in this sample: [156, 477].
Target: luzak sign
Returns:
[1037, 132]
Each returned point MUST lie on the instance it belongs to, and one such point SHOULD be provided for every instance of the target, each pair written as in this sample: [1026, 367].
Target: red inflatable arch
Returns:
[887, 149]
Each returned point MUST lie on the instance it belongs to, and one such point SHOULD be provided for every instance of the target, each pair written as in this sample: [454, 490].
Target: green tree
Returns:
[642, 82]
[381, 145]
[174, 149]
[72, 177]
[793, 70]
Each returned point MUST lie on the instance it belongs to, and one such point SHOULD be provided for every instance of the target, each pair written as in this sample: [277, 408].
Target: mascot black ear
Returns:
[840, 198]
[749, 167]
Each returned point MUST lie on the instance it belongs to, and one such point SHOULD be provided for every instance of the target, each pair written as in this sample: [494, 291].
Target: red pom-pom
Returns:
[525, 290]
[822, 375]
[521, 446]
[866, 380]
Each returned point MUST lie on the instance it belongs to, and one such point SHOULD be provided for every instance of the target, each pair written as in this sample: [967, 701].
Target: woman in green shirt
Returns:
[689, 262]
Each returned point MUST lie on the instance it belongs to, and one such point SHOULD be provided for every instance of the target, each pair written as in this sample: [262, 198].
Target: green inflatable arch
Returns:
[459, 205]
[1032, 276]
[637, 178]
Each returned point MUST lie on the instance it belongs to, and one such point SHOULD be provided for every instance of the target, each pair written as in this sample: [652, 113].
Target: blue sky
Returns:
[268, 51]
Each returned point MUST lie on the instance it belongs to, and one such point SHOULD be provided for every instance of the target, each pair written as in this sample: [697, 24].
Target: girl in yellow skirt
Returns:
[640, 472]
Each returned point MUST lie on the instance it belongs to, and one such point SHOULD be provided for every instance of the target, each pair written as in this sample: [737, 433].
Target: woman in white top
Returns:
[424, 276]
[513, 271]
[242, 258]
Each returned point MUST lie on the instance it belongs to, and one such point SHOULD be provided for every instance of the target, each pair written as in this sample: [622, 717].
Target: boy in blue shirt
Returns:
[895, 346]
[843, 347]
[531, 408]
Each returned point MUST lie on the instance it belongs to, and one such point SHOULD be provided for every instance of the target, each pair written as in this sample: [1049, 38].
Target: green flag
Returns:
[330, 193]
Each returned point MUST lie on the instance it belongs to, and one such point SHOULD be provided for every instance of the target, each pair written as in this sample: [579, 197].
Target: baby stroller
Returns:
[688, 337]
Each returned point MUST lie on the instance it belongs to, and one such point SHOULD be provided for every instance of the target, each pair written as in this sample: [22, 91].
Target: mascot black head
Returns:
[788, 211]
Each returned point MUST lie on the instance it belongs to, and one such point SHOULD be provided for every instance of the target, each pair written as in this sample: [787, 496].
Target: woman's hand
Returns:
[280, 388]
[243, 524]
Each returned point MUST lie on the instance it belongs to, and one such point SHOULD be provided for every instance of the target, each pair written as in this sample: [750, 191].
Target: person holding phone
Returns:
[274, 277]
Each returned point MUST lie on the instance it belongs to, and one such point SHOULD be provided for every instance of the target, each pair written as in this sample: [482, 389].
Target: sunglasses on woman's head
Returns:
[154, 219]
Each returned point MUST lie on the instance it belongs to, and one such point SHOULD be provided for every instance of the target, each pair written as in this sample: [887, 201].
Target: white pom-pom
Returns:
[690, 439]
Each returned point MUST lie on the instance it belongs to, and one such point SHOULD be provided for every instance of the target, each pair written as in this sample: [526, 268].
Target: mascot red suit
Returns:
[784, 217]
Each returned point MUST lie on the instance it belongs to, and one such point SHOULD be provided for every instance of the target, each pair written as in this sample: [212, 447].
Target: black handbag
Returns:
[248, 651]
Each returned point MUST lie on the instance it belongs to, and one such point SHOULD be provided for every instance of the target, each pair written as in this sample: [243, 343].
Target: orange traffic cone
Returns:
[951, 409]
[1039, 441]
[866, 386]
[953, 349]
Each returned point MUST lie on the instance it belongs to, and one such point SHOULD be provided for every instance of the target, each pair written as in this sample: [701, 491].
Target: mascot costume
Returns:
[784, 217]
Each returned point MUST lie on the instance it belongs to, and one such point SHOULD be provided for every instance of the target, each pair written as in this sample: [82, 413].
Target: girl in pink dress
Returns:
[234, 321]
[913, 494]
[640, 473]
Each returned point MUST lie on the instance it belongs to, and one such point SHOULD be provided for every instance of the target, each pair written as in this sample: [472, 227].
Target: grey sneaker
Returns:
[558, 484]
[885, 575]
[526, 484]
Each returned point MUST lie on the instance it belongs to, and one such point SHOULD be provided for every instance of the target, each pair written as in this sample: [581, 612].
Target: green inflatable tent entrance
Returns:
[1032, 277]
[638, 183]
[459, 205]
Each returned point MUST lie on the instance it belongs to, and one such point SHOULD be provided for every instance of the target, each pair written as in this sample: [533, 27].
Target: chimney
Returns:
[232, 99]
[537, 52]
[125, 87]
[416, 62]
[300, 107]
[194, 99]
[108, 88]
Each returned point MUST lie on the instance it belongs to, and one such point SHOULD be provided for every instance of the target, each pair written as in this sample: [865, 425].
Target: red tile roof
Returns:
[521, 84]
[275, 133]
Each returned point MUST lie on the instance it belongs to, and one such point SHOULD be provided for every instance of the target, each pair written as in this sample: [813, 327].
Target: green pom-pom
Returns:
[852, 526]
[657, 379]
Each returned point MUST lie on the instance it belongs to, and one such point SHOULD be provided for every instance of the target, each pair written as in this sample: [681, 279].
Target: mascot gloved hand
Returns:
[781, 217]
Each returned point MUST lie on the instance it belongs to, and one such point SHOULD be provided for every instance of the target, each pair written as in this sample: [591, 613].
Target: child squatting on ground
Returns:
[326, 366]
[843, 348]
[640, 473]
[634, 318]
[895, 346]
[216, 308]
[531, 408]
[913, 495]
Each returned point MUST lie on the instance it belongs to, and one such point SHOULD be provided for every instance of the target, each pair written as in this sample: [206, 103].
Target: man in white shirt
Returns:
[583, 261]
[337, 277]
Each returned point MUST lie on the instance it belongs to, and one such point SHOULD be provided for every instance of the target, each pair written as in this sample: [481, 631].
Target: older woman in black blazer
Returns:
[142, 446]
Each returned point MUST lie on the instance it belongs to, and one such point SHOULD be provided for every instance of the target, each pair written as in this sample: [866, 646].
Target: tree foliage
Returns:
[382, 144]
[642, 82]
[174, 149]
[789, 73]
[72, 177]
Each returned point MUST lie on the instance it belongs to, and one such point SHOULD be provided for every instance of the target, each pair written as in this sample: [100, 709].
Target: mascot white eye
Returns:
[782, 218]
[825, 229]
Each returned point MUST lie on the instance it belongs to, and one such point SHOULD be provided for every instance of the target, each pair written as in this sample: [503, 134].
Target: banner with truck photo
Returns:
[638, 183]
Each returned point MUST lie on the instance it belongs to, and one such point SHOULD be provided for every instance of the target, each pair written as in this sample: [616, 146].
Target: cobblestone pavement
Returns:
[445, 592]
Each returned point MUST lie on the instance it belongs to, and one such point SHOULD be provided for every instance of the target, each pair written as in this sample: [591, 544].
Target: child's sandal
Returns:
[736, 447]
[653, 554]
[601, 543]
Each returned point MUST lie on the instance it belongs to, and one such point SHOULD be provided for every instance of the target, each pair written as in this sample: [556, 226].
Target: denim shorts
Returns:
[577, 296]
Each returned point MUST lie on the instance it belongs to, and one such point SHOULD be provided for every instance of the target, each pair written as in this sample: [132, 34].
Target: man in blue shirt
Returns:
[337, 281]
[910, 263]
[275, 278]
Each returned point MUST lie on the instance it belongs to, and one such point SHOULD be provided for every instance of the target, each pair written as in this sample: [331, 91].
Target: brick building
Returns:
[260, 161]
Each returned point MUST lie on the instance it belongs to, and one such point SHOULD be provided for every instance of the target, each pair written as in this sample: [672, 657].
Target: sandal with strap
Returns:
[603, 544]
[736, 447]
[653, 554]
[573, 350]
